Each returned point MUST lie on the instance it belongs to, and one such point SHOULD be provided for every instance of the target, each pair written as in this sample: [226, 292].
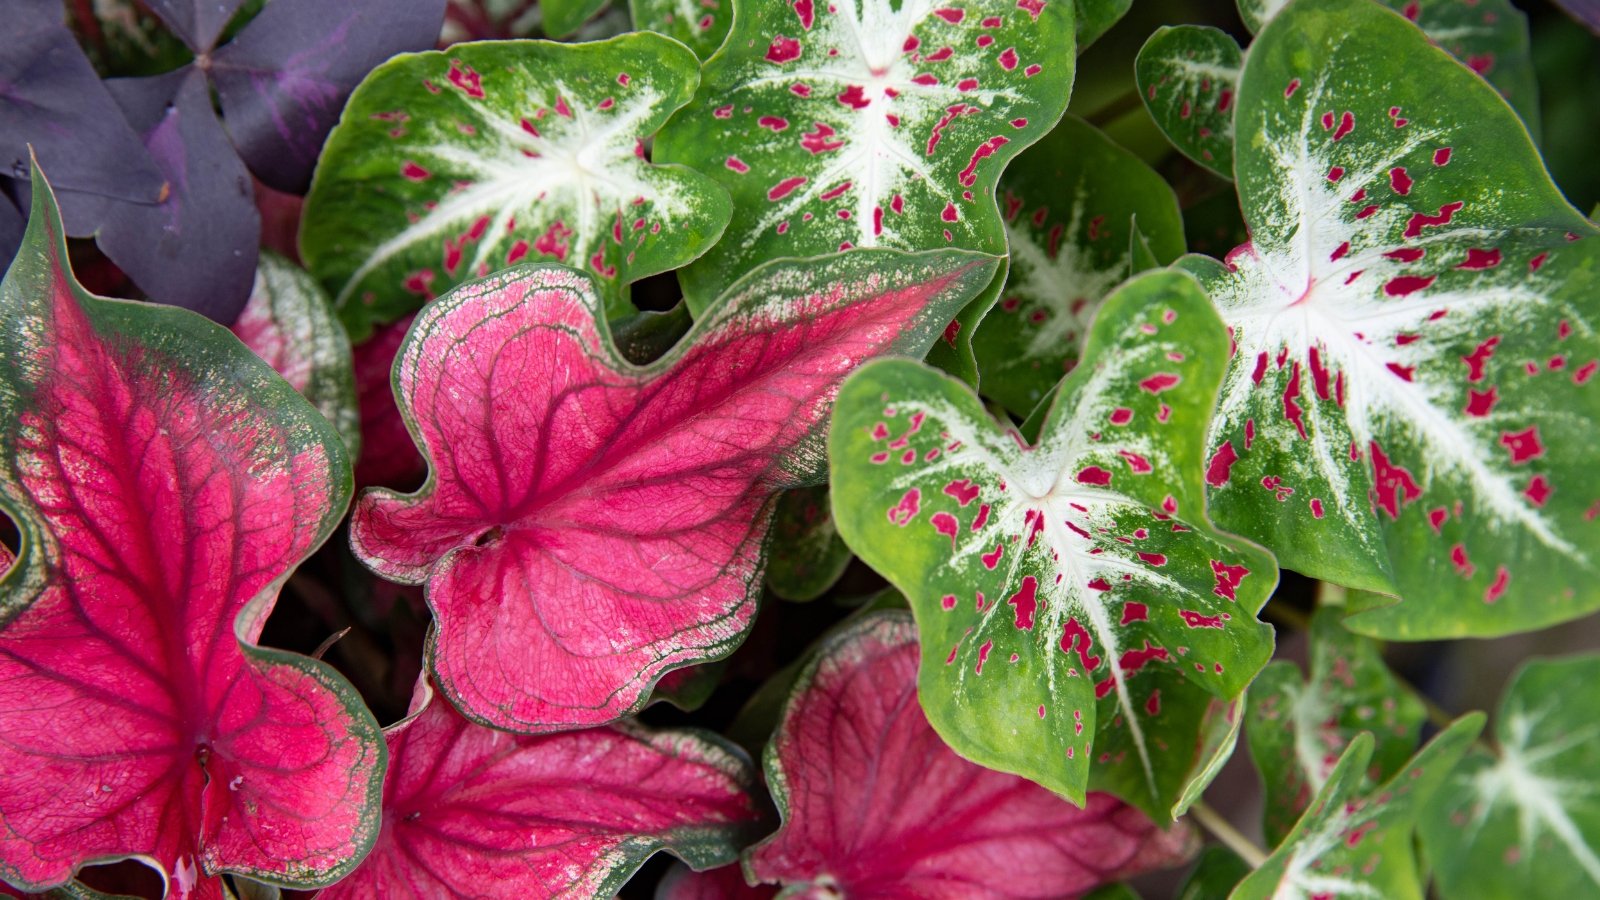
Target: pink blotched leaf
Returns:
[164, 481]
[387, 455]
[590, 525]
[473, 812]
[876, 805]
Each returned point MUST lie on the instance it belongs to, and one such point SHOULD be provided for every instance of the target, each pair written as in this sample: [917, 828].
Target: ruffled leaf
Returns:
[589, 524]
[1071, 591]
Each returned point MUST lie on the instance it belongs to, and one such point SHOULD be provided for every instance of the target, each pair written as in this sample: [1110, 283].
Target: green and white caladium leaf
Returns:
[1411, 401]
[449, 165]
[699, 24]
[1188, 77]
[1360, 843]
[289, 322]
[563, 17]
[870, 123]
[1526, 823]
[1489, 36]
[1068, 203]
[1297, 728]
[1055, 584]
[805, 555]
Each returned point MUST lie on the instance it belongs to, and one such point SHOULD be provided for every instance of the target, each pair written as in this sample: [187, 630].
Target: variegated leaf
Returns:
[805, 556]
[1057, 586]
[1410, 405]
[450, 165]
[1069, 203]
[1188, 77]
[698, 24]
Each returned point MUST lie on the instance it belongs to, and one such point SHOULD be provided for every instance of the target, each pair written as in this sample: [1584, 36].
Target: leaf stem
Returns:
[1230, 836]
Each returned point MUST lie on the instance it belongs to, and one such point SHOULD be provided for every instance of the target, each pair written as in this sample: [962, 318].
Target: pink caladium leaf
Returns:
[387, 455]
[876, 805]
[590, 524]
[164, 481]
[1412, 396]
[1079, 613]
[470, 812]
[870, 123]
[725, 883]
[289, 322]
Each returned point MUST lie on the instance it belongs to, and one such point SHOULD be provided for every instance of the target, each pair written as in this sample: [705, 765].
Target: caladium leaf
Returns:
[1053, 582]
[1410, 396]
[1352, 843]
[1068, 203]
[602, 507]
[725, 883]
[1215, 875]
[1298, 728]
[164, 481]
[289, 322]
[388, 457]
[807, 555]
[869, 124]
[1526, 822]
[197, 247]
[1188, 78]
[1094, 18]
[473, 812]
[563, 17]
[283, 80]
[874, 804]
[701, 25]
[450, 165]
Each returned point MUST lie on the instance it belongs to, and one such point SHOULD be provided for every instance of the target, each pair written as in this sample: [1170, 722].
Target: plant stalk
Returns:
[1230, 836]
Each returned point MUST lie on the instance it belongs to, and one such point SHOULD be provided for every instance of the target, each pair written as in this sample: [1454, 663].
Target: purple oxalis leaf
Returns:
[283, 81]
[876, 805]
[164, 482]
[588, 524]
[197, 248]
[198, 22]
[473, 812]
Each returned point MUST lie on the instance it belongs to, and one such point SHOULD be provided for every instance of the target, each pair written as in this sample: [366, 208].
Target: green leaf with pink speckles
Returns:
[805, 556]
[1297, 728]
[564, 17]
[1525, 821]
[699, 24]
[870, 123]
[1068, 203]
[1059, 586]
[450, 165]
[1411, 399]
[1360, 843]
[1188, 76]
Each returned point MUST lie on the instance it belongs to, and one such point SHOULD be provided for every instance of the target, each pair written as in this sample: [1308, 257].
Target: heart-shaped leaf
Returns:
[1188, 78]
[806, 555]
[1525, 822]
[450, 165]
[1069, 203]
[725, 883]
[1410, 400]
[388, 457]
[701, 25]
[289, 322]
[589, 524]
[875, 805]
[473, 812]
[869, 124]
[164, 481]
[283, 81]
[1298, 729]
[1053, 582]
[198, 22]
[1352, 843]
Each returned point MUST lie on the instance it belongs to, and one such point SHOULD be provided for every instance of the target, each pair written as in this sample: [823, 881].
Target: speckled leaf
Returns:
[563, 17]
[874, 804]
[1068, 203]
[1052, 582]
[1188, 77]
[1355, 843]
[164, 482]
[806, 555]
[450, 165]
[698, 24]
[1488, 36]
[1297, 728]
[289, 322]
[1411, 400]
[1526, 823]
[470, 812]
[615, 515]
[870, 123]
